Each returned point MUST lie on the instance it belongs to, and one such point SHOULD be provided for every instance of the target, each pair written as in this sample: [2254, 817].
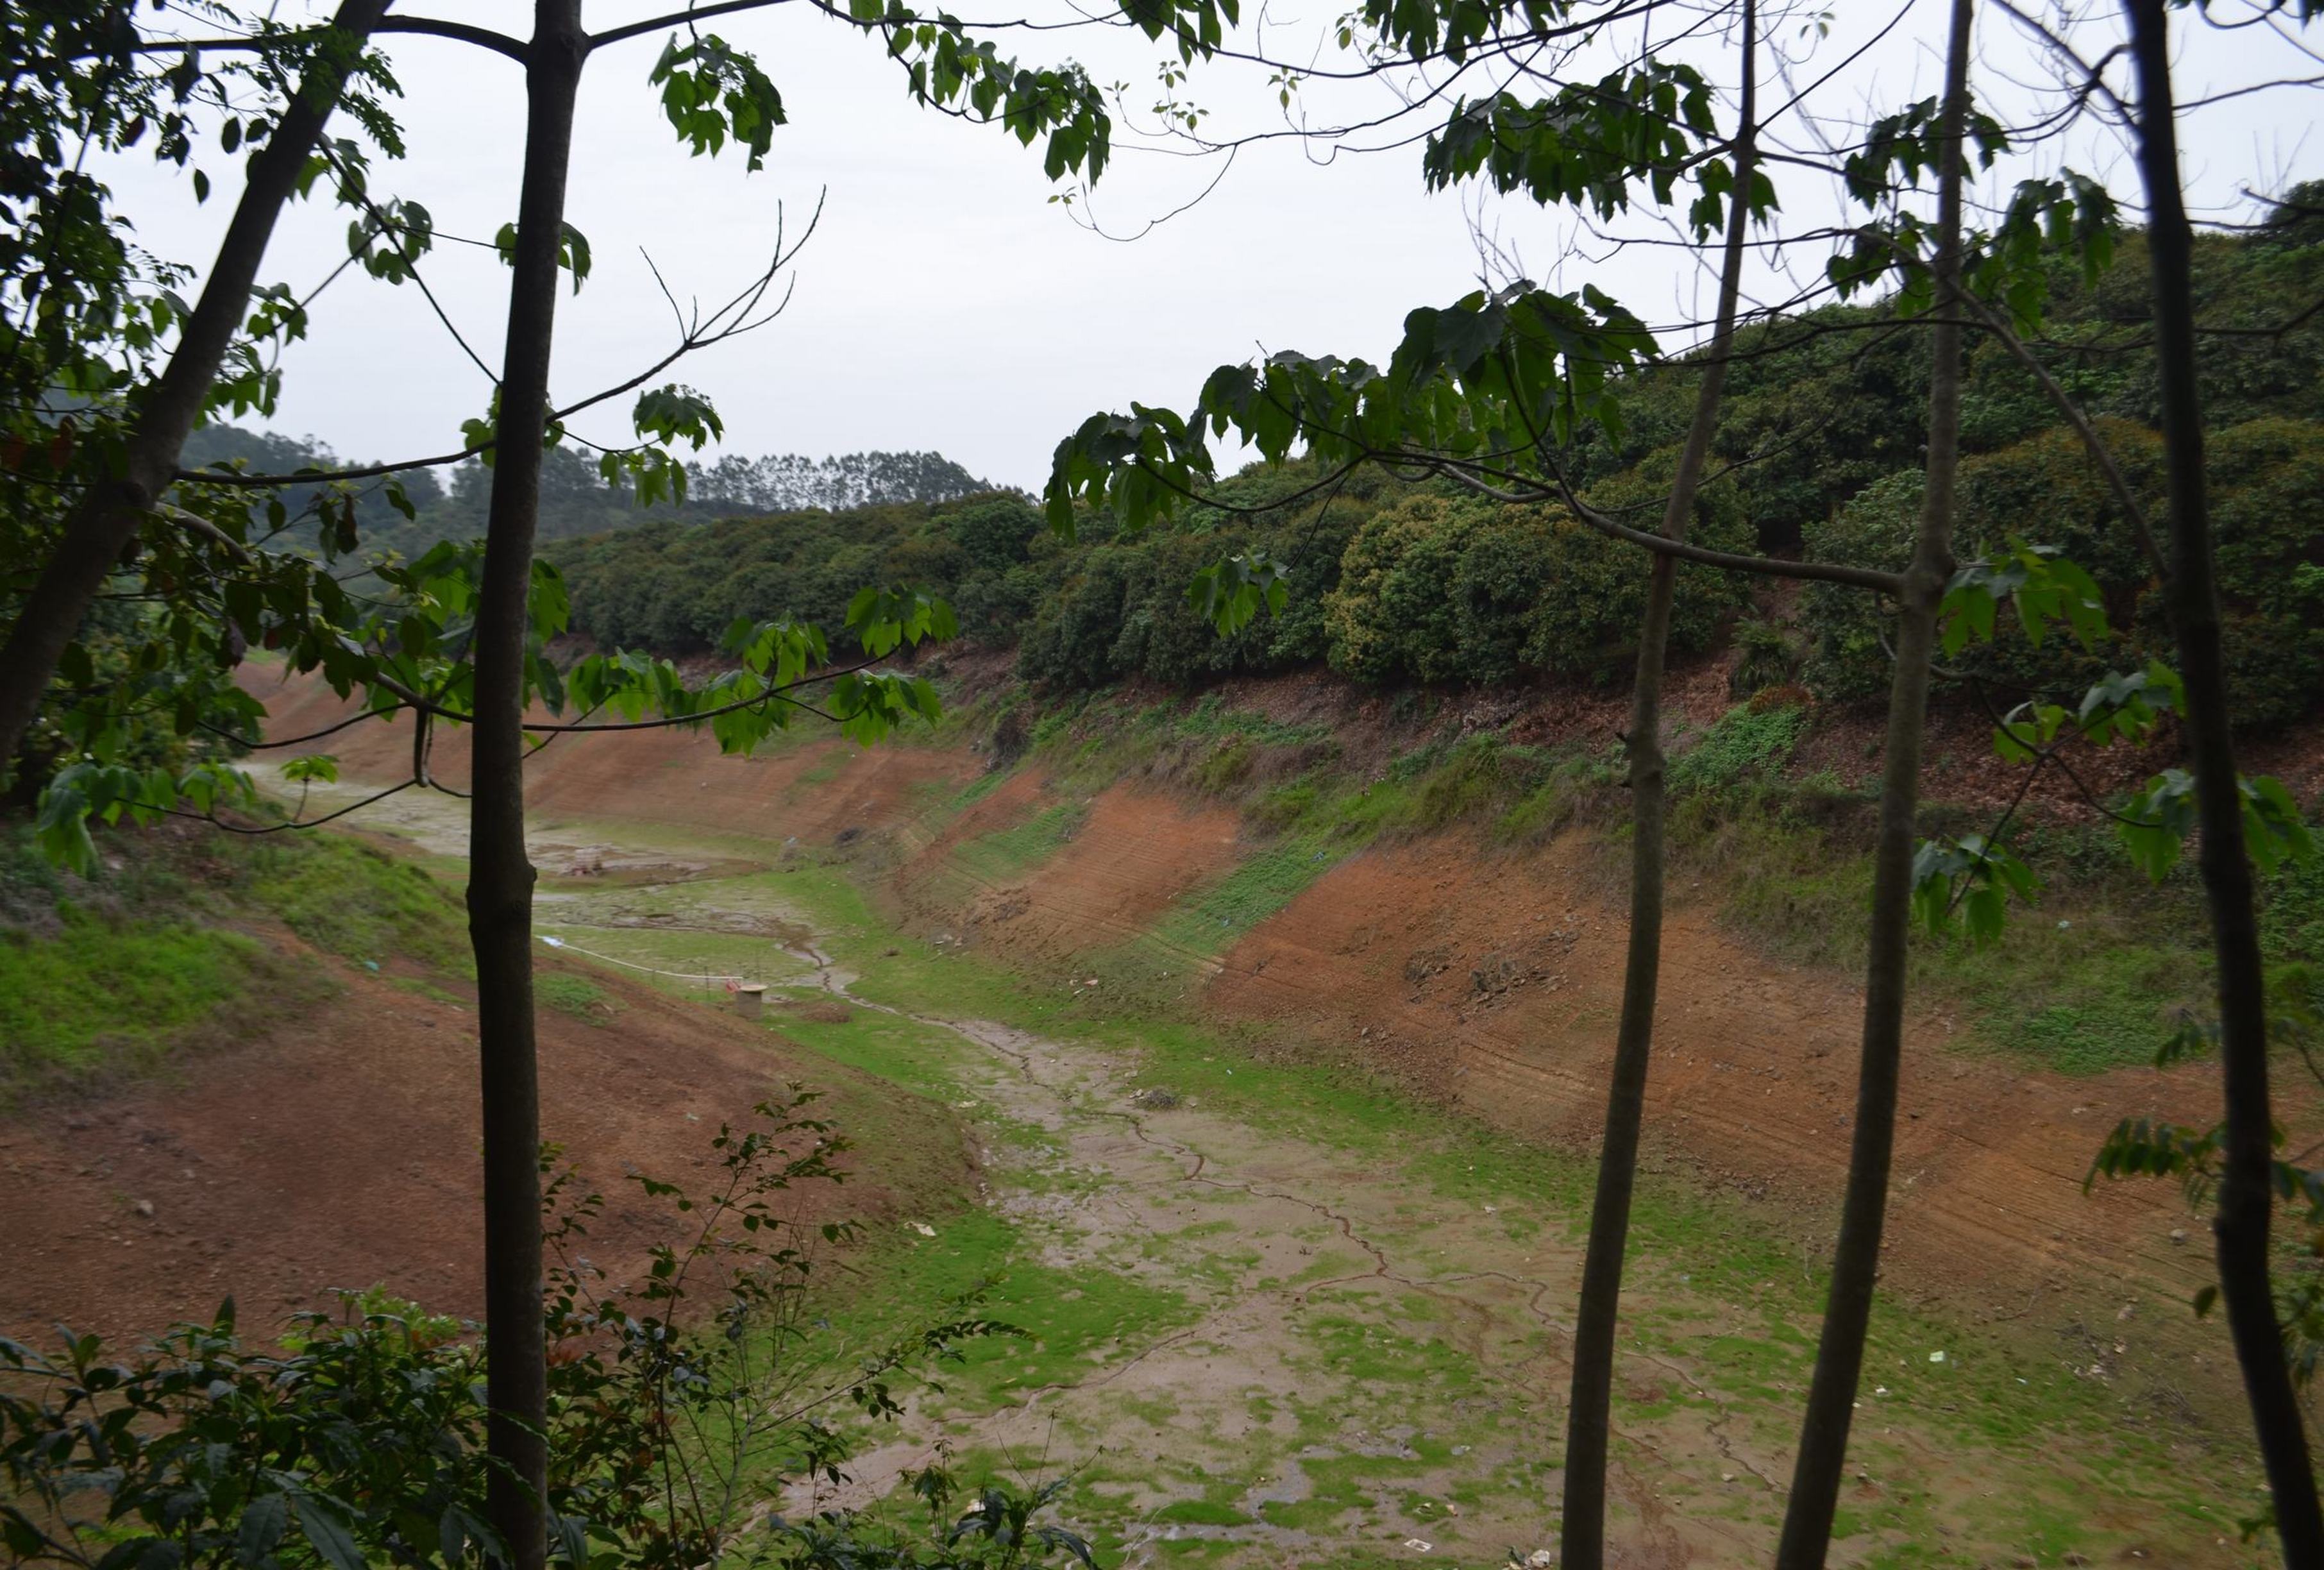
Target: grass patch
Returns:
[1016, 850]
[2083, 982]
[101, 998]
[352, 900]
[1063, 1325]
[109, 978]
[1217, 917]
[578, 996]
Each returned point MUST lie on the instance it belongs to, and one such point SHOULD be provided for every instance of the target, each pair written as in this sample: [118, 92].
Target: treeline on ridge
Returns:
[1818, 454]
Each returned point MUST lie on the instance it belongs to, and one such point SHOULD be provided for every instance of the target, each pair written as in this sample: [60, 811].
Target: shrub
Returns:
[1748, 742]
[2265, 475]
[1443, 587]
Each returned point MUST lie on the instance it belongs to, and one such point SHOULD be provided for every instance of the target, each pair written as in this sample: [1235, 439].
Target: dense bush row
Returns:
[1818, 452]
[1389, 583]
[2265, 476]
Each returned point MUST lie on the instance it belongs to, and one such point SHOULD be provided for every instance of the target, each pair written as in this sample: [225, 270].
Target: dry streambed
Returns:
[1264, 1341]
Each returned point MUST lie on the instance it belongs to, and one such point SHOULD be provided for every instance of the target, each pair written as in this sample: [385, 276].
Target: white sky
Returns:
[945, 302]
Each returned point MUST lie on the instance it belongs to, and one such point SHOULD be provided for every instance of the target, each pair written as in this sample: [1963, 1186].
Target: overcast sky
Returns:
[945, 302]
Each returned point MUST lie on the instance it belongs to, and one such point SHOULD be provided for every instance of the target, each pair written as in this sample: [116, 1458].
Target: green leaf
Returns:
[262, 1525]
[326, 1530]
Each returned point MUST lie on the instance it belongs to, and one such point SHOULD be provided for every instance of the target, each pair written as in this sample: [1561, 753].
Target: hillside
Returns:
[1394, 585]
[1406, 915]
[205, 988]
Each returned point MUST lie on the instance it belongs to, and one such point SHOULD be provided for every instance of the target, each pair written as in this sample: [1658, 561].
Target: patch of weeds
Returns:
[2081, 983]
[1070, 1323]
[1200, 1512]
[97, 997]
[978, 788]
[1216, 917]
[1748, 742]
[348, 899]
[1279, 808]
[1567, 794]
[107, 978]
[1228, 765]
[575, 995]
[1011, 852]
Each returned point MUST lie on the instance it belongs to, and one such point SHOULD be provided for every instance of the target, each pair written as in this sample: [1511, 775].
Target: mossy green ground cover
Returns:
[167, 949]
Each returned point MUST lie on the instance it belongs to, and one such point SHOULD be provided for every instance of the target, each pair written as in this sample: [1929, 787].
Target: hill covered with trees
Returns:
[450, 501]
[1819, 454]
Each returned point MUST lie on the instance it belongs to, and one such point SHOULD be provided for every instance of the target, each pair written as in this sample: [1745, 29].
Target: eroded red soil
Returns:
[340, 1150]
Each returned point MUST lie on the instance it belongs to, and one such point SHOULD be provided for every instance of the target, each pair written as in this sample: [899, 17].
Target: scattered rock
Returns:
[1156, 1099]
[143, 1207]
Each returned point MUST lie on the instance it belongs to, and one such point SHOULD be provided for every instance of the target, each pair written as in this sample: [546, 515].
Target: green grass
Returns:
[575, 995]
[1217, 917]
[1016, 850]
[349, 899]
[160, 954]
[2085, 980]
[104, 995]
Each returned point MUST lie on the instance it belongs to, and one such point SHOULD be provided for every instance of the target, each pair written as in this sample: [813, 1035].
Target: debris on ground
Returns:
[1155, 1099]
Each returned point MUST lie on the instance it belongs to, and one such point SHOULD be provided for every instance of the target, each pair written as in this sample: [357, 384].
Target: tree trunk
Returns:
[101, 525]
[500, 874]
[1856, 1260]
[1582, 1521]
[2246, 1200]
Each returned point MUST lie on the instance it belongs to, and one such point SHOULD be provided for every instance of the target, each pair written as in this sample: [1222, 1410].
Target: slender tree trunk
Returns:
[101, 525]
[1582, 1521]
[1856, 1260]
[500, 874]
[2246, 1199]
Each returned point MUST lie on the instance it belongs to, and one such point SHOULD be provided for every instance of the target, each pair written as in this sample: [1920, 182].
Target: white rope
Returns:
[702, 976]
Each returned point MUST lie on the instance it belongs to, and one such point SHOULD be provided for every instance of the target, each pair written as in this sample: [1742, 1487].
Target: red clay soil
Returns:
[1494, 981]
[813, 790]
[340, 1150]
[1133, 856]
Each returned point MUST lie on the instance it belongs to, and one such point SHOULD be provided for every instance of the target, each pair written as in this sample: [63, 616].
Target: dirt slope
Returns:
[340, 1150]
[1492, 980]
[812, 790]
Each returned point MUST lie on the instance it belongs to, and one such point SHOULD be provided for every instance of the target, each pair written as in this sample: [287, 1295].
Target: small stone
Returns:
[143, 1207]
